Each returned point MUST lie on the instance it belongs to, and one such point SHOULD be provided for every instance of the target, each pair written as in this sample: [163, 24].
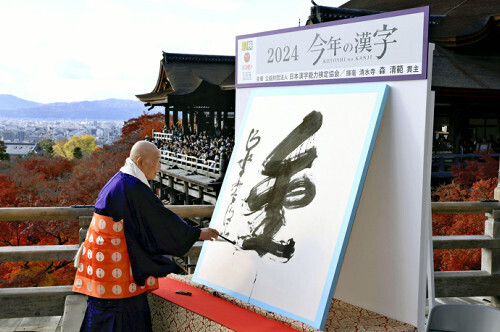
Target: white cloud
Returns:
[56, 50]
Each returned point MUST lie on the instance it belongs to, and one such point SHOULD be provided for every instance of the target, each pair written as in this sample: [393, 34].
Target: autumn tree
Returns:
[9, 192]
[42, 179]
[58, 148]
[60, 180]
[65, 149]
[482, 168]
[138, 128]
[46, 145]
[22, 233]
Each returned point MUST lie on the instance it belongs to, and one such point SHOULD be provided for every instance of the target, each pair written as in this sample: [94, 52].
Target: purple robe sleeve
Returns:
[151, 230]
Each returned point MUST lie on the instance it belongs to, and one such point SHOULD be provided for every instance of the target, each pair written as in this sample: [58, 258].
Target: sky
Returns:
[74, 50]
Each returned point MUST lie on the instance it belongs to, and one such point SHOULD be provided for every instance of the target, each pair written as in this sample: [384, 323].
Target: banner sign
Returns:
[382, 47]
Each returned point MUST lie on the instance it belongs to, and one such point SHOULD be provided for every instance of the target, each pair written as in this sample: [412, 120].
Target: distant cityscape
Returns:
[24, 123]
[33, 131]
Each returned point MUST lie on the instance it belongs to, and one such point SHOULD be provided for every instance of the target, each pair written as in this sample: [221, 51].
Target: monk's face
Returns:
[151, 164]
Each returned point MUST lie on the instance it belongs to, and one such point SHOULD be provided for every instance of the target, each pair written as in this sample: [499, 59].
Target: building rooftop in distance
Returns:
[20, 149]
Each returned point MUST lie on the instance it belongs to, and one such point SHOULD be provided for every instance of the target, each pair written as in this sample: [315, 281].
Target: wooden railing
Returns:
[442, 163]
[206, 167]
[49, 301]
[162, 136]
[485, 282]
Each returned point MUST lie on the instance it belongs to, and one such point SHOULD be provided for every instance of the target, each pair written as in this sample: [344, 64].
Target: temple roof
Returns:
[455, 22]
[181, 74]
[452, 70]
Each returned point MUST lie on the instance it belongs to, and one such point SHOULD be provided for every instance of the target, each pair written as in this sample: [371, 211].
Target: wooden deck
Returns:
[53, 323]
[36, 302]
[45, 324]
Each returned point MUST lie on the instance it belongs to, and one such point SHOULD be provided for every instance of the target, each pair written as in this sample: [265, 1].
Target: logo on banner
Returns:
[247, 67]
[247, 46]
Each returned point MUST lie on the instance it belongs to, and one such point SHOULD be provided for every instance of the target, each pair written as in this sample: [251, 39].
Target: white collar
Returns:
[131, 168]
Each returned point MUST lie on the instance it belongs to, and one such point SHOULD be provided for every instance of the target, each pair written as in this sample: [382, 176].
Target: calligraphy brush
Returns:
[225, 238]
[232, 242]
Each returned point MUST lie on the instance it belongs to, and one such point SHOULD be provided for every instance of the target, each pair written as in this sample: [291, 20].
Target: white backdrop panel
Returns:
[384, 264]
[385, 257]
[296, 281]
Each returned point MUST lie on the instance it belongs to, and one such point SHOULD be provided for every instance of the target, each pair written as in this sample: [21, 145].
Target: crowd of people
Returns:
[204, 147]
[465, 146]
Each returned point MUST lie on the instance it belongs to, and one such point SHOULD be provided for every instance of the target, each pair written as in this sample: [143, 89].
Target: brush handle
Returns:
[225, 238]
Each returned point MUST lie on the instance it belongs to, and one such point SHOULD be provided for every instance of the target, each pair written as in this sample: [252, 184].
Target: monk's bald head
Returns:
[147, 157]
[142, 149]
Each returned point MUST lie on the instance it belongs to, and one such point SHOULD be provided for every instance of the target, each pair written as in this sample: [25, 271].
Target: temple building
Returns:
[466, 66]
[197, 92]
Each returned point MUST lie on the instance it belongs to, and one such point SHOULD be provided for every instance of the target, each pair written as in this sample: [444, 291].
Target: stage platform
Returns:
[207, 310]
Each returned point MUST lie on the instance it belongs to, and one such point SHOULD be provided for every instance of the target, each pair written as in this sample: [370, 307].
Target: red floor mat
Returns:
[216, 309]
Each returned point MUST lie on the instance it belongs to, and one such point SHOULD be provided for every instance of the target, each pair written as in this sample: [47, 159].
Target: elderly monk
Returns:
[124, 251]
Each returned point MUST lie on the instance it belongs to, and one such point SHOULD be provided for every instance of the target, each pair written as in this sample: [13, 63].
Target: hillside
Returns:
[9, 102]
[108, 109]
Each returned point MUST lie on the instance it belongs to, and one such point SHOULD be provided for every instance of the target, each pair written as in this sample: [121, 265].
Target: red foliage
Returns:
[34, 274]
[92, 173]
[139, 128]
[460, 224]
[39, 179]
[9, 193]
[457, 259]
[483, 168]
[49, 181]
[49, 168]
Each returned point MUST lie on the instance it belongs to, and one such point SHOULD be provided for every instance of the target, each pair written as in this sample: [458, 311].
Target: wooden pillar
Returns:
[201, 194]
[223, 162]
[167, 116]
[187, 198]
[198, 123]
[211, 120]
[191, 121]
[184, 122]
[490, 258]
[161, 191]
[84, 227]
[175, 116]
[173, 199]
[496, 193]
[219, 120]
[225, 119]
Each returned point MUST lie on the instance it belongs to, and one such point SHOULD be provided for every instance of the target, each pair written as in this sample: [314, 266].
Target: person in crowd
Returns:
[206, 148]
[126, 246]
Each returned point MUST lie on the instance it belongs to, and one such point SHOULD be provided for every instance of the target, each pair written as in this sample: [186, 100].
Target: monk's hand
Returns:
[208, 234]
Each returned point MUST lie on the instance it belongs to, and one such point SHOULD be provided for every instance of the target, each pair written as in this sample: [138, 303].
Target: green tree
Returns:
[47, 144]
[3, 152]
[77, 153]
